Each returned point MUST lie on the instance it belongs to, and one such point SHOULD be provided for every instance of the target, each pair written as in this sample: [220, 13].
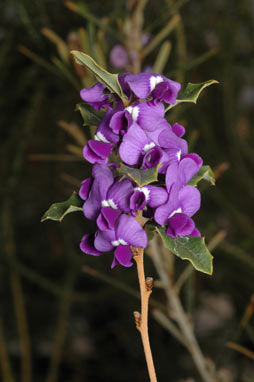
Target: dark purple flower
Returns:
[119, 57]
[103, 179]
[106, 219]
[94, 96]
[181, 172]
[85, 188]
[134, 145]
[181, 225]
[154, 85]
[186, 201]
[105, 192]
[148, 116]
[151, 196]
[179, 130]
[104, 133]
[87, 245]
[127, 232]
[96, 151]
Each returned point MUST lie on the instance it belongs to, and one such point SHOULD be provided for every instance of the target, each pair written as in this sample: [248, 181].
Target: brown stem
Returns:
[145, 285]
[180, 316]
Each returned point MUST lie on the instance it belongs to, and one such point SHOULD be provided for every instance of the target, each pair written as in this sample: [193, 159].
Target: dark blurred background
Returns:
[65, 316]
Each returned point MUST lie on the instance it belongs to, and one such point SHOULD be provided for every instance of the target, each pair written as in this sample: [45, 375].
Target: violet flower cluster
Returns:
[142, 138]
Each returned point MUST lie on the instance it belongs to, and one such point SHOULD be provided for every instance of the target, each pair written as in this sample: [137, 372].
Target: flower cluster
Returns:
[142, 138]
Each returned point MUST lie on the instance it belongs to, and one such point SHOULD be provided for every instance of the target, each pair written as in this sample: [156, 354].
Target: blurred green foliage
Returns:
[69, 315]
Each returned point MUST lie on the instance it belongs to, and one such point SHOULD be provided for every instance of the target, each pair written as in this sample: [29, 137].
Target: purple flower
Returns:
[119, 57]
[148, 116]
[127, 232]
[104, 193]
[181, 172]
[181, 225]
[96, 151]
[87, 245]
[102, 180]
[156, 86]
[184, 201]
[94, 96]
[104, 133]
[151, 196]
[136, 146]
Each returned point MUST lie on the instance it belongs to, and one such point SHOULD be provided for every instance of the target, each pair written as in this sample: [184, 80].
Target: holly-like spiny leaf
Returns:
[190, 248]
[58, 211]
[91, 117]
[141, 176]
[103, 76]
[191, 92]
[204, 173]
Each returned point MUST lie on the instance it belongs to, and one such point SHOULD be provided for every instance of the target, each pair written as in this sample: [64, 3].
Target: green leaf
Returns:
[190, 248]
[204, 173]
[192, 92]
[142, 177]
[108, 79]
[90, 116]
[58, 211]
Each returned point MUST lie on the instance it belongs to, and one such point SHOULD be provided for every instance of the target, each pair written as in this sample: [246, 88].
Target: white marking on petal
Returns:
[155, 80]
[148, 146]
[104, 203]
[115, 243]
[145, 191]
[109, 203]
[178, 154]
[134, 112]
[122, 241]
[178, 211]
[112, 204]
[100, 137]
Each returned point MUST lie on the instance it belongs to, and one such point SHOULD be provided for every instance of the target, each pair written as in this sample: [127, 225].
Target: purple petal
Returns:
[163, 212]
[155, 134]
[87, 245]
[131, 231]
[123, 84]
[167, 91]
[157, 196]
[137, 201]
[120, 193]
[123, 256]
[151, 117]
[171, 175]
[105, 130]
[189, 198]
[101, 184]
[96, 151]
[94, 96]
[132, 146]
[103, 241]
[196, 158]
[120, 121]
[139, 84]
[179, 130]
[180, 225]
[85, 188]
[195, 232]
[152, 157]
[187, 168]
[169, 140]
[100, 170]
[106, 219]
